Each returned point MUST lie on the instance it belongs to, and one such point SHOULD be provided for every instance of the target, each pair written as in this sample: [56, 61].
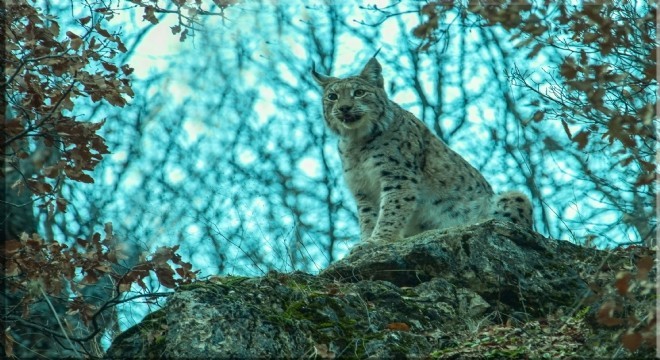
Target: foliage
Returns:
[601, 87]
[624, 297]
[52, 65]
[45, 72]
[53, 272]
[188, 13]
[45, 144]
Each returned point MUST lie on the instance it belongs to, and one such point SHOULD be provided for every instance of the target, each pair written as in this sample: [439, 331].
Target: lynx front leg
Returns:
[397, 205]
[367, 215]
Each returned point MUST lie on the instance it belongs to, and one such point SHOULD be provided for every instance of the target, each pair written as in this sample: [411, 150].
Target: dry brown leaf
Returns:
[398, 326]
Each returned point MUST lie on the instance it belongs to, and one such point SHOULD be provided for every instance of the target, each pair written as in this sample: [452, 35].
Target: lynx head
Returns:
[356, 104]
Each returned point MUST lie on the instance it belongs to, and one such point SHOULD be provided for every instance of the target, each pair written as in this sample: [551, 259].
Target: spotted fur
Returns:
[405, 180]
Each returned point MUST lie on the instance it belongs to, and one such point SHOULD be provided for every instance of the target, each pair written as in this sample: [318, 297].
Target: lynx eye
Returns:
[359, 93]
[332, 97]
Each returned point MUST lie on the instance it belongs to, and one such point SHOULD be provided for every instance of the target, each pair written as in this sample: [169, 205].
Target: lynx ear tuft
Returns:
[322, 80]
[373, 73]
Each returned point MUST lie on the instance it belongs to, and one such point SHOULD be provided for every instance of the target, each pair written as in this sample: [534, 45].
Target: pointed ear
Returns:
[322, 80]
[373, 73]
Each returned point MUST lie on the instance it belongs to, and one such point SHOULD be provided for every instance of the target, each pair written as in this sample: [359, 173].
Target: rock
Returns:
[512, 269]
[432, 295]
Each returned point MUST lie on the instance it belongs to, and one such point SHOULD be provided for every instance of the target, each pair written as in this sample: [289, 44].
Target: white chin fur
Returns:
[353, 125]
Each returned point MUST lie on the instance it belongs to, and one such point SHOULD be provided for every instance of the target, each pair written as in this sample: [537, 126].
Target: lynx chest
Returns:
[362, 171]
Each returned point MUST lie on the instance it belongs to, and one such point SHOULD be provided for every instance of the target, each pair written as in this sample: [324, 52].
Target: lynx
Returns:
[404, 179]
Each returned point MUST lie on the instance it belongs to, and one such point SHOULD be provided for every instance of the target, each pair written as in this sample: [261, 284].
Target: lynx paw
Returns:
[380, 239]
[371, 242]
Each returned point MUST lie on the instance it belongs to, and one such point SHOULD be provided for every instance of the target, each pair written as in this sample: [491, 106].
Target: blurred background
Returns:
[223, 148]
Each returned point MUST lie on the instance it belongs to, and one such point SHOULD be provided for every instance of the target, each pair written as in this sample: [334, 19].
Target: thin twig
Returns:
[52, 308]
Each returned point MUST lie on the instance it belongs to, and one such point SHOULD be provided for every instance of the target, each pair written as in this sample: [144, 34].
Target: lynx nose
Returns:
[345, 108]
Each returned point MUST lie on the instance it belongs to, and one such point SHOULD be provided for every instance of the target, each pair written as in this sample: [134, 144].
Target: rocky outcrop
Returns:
[433, 295]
